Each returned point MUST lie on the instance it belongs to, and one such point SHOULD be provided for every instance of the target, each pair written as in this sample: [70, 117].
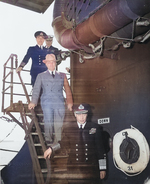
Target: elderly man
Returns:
[37, 54]
[82, 141]
[52, 100]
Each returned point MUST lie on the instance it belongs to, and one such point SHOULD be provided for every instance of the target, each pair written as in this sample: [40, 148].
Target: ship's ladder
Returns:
[31, 120]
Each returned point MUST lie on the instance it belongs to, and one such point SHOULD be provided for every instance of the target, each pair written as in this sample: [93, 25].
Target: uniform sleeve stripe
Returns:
[102, 164]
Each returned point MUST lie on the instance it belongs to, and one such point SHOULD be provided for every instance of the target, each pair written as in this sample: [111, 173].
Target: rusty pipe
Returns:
[105, 21]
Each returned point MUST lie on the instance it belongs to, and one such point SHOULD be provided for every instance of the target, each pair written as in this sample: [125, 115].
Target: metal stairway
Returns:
[30, 124]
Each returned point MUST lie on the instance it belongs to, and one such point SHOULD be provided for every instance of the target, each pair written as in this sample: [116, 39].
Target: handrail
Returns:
[25, 124]
[8, 80]
[37, 128]
[10, 57]
[11, 81]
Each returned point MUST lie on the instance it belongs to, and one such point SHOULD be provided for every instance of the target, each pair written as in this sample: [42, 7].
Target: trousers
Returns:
[53, 121]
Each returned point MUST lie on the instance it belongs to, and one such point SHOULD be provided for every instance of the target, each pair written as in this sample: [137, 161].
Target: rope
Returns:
[9, 133]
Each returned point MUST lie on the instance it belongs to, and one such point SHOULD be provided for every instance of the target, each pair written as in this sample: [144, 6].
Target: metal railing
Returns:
[8, 81]
[6, 75]
[13, 62]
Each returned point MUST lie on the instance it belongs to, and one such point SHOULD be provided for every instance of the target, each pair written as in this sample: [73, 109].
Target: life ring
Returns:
[130, 151]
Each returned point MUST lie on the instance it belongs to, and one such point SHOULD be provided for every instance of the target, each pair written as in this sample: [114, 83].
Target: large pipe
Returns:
[112, 17]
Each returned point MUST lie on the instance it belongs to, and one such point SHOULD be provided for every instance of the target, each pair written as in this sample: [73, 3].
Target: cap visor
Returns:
[81, 112]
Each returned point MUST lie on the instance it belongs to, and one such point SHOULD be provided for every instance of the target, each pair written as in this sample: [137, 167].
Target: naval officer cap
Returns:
[49, 37]
[81, 108]
[40, 33]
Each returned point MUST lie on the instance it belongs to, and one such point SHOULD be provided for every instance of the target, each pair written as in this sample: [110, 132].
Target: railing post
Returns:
[11, 83]
[13, 65]
[3, 96]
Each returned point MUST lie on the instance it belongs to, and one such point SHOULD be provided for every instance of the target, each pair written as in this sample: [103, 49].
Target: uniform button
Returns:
[77, 159]
[86, 158]
[76, 144]
[76, 154]
[86, 149]
[85, 153]
[39, 63]
[76, 149]
[85, 144]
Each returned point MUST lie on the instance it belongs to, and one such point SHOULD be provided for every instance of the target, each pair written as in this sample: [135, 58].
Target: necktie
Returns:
[81, 144]
[81, 130]
[53, 75]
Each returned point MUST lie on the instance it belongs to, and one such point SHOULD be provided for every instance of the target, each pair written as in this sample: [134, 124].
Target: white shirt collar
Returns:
[47, 47]
[40, 46]
[51, 72]
[83, 125]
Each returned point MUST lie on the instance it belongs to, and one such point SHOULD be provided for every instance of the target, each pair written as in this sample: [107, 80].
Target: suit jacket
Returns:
[52, 89]
[87, 151]
[37, 55]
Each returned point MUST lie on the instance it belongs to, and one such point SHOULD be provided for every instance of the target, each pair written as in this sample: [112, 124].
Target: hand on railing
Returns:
[31, 106]
[18, 69]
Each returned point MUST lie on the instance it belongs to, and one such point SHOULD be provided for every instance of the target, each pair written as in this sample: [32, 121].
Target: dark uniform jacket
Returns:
[37, 55]
[56, 52]
[87, 153]
[52, 50]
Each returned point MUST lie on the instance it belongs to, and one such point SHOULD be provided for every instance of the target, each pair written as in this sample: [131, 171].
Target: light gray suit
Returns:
[52, 102]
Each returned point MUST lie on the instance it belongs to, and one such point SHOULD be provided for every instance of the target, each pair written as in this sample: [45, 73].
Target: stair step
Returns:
[38, 144]
[40, 115]
[34, 133]
[60, 170]
[41, 156]
[41, 123]
[30, 114]
[60, 156]
[44, 170]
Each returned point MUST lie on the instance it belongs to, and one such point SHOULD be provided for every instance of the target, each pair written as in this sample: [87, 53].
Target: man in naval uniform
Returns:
[60, 55]
[82, 141]
[52, 100]
[49, 47]
[37, 54]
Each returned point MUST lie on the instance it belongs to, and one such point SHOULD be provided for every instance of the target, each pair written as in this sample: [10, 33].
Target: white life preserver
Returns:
[136, 165]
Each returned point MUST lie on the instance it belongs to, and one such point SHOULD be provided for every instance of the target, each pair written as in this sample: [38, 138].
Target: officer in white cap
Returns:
[60, 55]
[49, 47]
[82, 140]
